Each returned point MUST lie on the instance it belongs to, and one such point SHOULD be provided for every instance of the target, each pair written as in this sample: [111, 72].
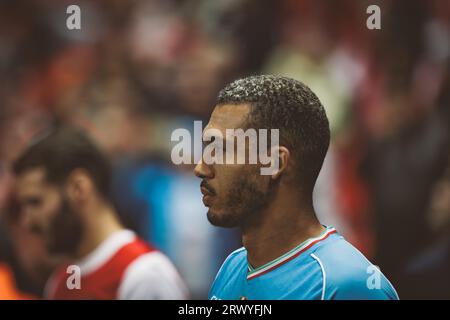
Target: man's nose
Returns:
[26, 218]
[203, 171]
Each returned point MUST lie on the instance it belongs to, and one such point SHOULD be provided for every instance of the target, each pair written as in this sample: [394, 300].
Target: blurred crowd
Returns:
[139, 69]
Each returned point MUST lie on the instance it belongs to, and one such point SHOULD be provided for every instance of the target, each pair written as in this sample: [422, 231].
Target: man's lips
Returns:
[206, 200]
[207, 194]
[206, 190]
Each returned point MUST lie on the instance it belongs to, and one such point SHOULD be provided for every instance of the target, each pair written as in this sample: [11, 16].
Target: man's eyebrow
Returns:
[27, 200]
[33, 199]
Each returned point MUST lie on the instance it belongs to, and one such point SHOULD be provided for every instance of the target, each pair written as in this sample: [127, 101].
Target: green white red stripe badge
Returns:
[253, 273]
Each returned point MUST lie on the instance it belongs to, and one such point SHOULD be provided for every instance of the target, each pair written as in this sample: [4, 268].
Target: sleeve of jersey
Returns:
[152, 277]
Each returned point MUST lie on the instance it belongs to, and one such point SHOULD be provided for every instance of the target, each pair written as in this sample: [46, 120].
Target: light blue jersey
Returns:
[326, 267]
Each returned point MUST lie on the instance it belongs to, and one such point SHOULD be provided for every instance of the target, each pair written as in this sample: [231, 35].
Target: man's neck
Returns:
[280, 229]
[99, 225]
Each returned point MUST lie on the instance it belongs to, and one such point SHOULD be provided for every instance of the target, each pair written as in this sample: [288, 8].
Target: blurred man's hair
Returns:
[290, 106]
[63, 150]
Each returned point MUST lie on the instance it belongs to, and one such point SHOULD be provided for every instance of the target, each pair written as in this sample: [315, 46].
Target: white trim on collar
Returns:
[105, 251]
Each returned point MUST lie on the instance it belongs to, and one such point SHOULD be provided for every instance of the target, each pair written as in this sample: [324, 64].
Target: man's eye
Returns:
[34, 202]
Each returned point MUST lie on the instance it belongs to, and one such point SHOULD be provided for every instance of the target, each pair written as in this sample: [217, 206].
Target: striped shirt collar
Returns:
[288, 256]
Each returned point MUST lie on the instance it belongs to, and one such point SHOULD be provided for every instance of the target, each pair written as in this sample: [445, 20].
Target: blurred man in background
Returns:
[62, 192]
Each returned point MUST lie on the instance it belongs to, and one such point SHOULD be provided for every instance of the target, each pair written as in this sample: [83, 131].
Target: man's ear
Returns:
[284, 157]
[79, 185]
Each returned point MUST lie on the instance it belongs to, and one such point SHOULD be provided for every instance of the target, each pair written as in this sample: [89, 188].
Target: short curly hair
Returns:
[289, 105]
[62, 150]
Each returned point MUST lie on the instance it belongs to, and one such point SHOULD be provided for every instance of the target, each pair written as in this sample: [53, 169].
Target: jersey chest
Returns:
[294, 280]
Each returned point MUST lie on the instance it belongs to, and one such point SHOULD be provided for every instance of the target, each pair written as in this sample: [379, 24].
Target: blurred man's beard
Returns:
[243, 204]
[66, 231]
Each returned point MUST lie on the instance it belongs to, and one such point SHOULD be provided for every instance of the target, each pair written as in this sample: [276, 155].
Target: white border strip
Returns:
[271, 265]
[324, 275]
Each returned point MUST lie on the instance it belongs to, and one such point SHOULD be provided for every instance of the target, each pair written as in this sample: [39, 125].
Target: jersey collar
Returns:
[105, 250]
[255, 272]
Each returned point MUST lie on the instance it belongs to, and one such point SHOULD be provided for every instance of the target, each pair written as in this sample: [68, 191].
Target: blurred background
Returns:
[139, 69]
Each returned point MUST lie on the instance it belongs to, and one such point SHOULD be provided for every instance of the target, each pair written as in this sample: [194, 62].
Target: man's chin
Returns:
[221, 219]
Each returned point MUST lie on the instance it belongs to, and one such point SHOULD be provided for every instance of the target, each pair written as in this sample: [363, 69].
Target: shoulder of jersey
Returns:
[234, 260]
[345, 269]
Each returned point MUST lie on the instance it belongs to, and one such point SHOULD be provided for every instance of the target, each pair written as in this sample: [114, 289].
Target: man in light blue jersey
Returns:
[287, 253]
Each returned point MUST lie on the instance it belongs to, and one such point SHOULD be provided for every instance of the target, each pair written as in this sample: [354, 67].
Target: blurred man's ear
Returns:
[80, 185]
[284, 157]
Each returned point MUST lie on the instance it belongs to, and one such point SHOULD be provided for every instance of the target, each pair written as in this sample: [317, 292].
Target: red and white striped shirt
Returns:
[122, 267]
